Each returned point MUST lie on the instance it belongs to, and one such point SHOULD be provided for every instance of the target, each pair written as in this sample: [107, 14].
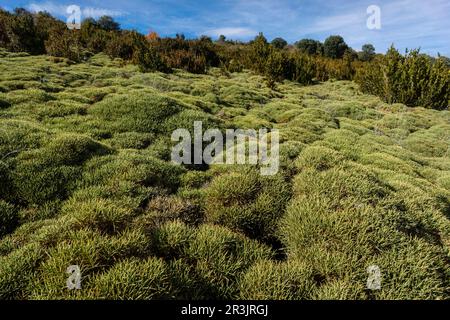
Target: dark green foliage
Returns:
[67, 44]
[50, 173]
[107, 23]
[334, 47]
[413, 79]
[279, 43]
[8, 218]
[367, 53]
[310, 46]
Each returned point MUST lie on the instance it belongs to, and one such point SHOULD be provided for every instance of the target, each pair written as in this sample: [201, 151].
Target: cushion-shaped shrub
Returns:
[319, 158]
[245, 201]
[137, 111]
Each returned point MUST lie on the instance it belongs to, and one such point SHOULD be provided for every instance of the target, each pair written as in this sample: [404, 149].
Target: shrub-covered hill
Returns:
[86, 179]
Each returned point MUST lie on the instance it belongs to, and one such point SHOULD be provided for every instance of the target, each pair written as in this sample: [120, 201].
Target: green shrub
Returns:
[395, 78]
[132, 140]
[347, 183]
[172, 240]
[69, 149]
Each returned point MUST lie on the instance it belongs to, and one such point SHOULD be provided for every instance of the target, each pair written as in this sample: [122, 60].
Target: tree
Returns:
[152, 36]
[107, 23]
[367, 53]
[259, 52]
[310, 46]
[222, 39]
[279, 43]
[335, 47]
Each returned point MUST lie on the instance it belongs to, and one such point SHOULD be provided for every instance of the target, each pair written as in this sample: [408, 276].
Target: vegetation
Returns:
[86, 177]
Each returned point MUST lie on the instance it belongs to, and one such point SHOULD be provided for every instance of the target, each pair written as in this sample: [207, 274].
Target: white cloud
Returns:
[231, 32]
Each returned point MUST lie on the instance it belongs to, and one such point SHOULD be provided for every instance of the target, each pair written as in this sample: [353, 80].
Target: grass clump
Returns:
[269, 280]
[139, 111]
[8, 218]
[247, 202]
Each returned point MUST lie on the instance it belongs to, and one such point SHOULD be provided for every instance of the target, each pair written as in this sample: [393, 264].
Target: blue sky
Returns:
[406, 23]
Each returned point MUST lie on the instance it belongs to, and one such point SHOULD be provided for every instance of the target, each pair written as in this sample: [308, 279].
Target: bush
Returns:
[50, 173]
[102, 215]
[319, 158]
[395, 78]
[67, 44]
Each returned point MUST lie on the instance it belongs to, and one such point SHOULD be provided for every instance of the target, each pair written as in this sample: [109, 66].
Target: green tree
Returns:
[310, 46]
[279, 43]
[367, 53]
[335, 47]
[108, 23]
[259, 52]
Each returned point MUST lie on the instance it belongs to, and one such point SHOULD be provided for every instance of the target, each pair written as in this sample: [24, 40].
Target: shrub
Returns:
[172, 240]
[310, 46]
[71, 149]
[67, 44]
[279, 43]
[395, 78]
[319, 158]
[106, 216]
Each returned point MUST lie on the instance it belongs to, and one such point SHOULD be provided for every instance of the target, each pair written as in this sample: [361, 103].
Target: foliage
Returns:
[412, 79]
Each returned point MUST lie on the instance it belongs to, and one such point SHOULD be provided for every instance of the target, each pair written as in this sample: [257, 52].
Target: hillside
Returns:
[86, 179]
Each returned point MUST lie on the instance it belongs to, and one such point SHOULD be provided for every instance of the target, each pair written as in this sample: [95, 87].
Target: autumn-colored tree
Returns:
[152, 36]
